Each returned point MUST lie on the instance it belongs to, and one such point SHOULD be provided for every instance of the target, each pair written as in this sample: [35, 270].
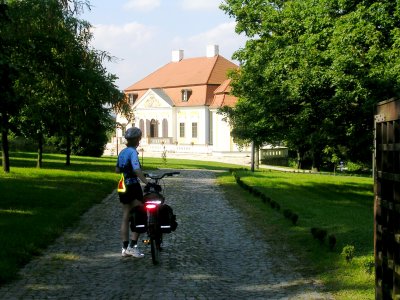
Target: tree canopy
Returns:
[312, 72]
[53, 82]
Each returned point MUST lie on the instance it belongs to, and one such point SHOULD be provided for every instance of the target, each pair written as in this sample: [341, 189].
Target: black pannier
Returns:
[138, 219]
[167, 219]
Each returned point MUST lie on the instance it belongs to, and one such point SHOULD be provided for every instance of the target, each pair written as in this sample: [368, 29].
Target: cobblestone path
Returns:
[212, 255]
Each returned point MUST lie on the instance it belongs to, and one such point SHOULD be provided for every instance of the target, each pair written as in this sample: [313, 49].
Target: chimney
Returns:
[212, 50]
[177, 55]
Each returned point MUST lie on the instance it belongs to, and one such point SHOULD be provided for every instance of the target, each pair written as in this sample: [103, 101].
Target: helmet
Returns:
[132, 133]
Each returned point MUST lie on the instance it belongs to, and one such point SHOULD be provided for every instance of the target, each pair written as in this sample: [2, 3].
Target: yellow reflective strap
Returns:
[121, 184]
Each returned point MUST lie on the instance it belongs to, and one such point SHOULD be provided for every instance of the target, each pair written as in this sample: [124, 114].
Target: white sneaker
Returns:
[135, 252]
[125, 253]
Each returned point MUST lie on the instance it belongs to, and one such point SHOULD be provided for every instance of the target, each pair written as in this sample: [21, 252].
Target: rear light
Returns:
[152, 204]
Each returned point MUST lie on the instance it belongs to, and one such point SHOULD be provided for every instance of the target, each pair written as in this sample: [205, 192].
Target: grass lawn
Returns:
[341, 205]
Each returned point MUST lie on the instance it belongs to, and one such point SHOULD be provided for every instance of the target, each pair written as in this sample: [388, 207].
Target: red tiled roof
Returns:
[222, 96]
[224, 87]
[187, 72]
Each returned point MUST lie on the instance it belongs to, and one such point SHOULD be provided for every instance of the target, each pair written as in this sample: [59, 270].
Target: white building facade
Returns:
[176, 107]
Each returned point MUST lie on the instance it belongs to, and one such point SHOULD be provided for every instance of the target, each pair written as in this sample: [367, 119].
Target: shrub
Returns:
[256, 193]
[263, 198]
[348, 252]
[314, 232]
[294, 218]
[369, 264]
[287, 213]
[331, 241]
[353, 167]
[319, 234]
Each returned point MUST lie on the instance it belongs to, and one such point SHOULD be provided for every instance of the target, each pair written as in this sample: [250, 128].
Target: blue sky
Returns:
[141, 34]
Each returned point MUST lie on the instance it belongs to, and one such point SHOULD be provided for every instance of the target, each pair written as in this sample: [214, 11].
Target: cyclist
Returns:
[128, 164]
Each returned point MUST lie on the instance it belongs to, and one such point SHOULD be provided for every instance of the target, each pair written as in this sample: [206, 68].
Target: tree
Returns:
[39, 25]
[53, 83]
[315, 69]
[29, 32]
[10, 103]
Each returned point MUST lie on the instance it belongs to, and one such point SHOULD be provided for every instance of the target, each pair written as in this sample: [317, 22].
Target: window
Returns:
[132, 98]
[194, 130]
[153, 128]
[186, 94]
[181, 130]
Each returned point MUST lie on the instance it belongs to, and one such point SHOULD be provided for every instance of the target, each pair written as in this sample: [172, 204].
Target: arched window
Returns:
[153, 128]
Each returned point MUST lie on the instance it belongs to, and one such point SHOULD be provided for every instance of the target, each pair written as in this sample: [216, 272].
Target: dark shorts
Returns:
[133, 191]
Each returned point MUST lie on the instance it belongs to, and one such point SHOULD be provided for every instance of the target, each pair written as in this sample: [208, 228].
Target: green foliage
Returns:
[164, 155]
[369, 264]
[53, 82]
[319, 234]
[332, 241]
[348, 253]
[312, 72]
[353, 167]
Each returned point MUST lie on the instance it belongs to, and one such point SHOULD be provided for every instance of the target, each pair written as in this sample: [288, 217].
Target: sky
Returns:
[141, 34]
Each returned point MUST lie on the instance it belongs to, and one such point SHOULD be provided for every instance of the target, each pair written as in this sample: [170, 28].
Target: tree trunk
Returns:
[257, 157]
[300, 156]
[252, 157]
[68, 162]
[316, 161]
[4, 143]
[40, 151]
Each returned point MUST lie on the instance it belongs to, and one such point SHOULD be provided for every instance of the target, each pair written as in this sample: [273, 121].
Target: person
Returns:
[128, 164]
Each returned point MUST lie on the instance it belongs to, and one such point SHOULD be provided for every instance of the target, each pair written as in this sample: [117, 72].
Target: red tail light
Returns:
[152, 204]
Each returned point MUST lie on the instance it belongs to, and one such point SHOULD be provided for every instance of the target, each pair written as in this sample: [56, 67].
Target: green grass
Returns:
[341, 205]
[37, 205]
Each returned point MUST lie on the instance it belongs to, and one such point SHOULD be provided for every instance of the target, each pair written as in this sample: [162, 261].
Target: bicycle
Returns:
[156, 218]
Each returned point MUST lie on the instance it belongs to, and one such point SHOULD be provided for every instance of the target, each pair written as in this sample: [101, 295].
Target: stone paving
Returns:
[211, 255]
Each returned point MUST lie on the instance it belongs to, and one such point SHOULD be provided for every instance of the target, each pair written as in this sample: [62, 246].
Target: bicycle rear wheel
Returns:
[155, 250]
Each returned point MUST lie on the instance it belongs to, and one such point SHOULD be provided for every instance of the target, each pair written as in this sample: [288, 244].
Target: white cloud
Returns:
[223, 35]
[115, 38]
[142, 5]
[200, 4]
[128, 43]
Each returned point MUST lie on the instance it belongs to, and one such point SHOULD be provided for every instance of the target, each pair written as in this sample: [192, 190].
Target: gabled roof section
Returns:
[187, 72]
[160, 93]
[223, 97]
[154, 98]
[224, 87]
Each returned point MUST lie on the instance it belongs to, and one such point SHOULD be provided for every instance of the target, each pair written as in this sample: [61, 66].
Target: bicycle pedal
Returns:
[146, 242]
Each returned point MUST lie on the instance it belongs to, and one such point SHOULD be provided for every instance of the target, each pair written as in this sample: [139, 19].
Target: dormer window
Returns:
[132, 98]
[186, 94]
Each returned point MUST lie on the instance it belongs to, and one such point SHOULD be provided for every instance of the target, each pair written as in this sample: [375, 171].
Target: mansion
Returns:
[176, 107]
